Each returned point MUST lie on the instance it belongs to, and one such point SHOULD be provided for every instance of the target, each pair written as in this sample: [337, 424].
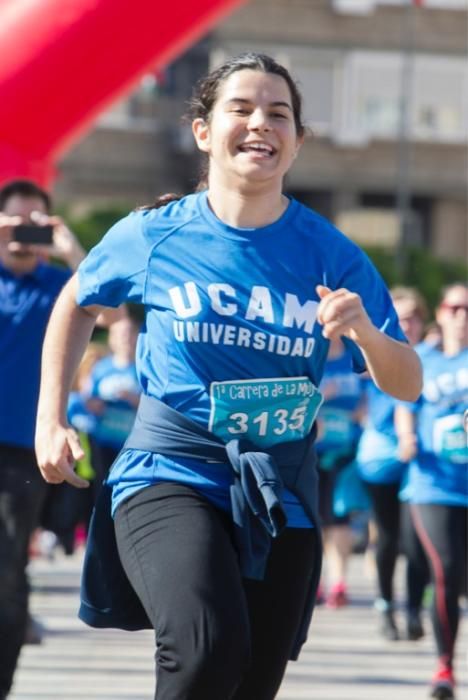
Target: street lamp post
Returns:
[403, 185]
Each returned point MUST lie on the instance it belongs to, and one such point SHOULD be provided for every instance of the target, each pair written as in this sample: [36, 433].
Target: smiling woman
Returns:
[214, 497]
[250, 127]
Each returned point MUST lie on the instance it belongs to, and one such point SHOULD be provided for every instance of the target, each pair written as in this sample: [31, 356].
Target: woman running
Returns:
[437, 479]
[381, 460]
[214, 496]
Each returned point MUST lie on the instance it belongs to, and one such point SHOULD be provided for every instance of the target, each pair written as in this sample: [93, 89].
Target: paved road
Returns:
[343, 660]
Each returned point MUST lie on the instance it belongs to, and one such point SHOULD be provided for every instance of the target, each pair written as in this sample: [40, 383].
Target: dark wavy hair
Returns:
[24, 188]
[161, 201]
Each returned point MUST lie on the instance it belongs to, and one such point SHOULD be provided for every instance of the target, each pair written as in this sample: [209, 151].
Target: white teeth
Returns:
[257, 147]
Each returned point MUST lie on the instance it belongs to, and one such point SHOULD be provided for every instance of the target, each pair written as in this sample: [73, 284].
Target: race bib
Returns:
[450, 439]
[115, 424]
[265, 411]
[337, 428]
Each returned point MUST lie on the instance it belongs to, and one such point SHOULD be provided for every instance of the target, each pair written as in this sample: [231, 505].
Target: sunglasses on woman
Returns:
[454, 308]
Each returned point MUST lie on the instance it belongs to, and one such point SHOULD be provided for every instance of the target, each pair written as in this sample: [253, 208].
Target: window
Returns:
[360, 7]
[437, 98]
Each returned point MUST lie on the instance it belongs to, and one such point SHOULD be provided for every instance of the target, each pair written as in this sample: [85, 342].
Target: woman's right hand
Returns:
[57, 449]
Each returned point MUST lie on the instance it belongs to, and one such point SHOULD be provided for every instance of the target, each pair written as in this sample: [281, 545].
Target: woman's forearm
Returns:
[394, 366]
[68, 333]
[67, 336]
[405, 430]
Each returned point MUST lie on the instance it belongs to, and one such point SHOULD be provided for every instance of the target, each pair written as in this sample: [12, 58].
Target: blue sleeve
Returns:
[361, 277]
[114, 271]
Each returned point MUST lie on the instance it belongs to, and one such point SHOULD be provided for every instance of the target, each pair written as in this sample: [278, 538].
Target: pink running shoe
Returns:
[337, 598]
[443, 683]
[320, 597]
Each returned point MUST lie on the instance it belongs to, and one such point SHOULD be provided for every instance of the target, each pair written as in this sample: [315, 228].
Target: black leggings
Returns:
[219, 637]
[442, 530]
[417, 566]
[389, 515]
[386, 512]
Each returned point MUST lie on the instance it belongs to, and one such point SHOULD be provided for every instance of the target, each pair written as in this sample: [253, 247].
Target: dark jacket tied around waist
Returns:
[107, 598]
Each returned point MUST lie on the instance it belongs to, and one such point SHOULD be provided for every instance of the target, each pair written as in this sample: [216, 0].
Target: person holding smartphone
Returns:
[29, 286]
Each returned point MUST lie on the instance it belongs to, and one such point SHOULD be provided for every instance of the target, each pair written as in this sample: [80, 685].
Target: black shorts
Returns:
[326, 490]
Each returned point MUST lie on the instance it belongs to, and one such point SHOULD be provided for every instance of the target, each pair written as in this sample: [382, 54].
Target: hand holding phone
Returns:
[33, 234]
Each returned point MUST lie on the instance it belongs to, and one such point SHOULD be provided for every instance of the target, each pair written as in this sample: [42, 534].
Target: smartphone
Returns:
[31, 233]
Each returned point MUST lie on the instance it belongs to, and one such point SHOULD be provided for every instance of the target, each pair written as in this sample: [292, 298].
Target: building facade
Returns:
[385, 86]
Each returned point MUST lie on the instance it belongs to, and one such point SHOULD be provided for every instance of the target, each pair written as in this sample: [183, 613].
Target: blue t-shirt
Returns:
[107, 381]
[342, 389]
[377, 454]
[439, 472]
[25, 305]
[78, 415]
[230, 338]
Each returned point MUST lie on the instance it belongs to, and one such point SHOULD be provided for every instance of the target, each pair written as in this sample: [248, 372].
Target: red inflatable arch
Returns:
[64, 61]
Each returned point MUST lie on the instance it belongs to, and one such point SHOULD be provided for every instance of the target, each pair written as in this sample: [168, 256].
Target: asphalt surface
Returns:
[344, 658]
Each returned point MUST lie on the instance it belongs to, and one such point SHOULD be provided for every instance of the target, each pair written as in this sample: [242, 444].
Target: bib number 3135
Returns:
[266, 411]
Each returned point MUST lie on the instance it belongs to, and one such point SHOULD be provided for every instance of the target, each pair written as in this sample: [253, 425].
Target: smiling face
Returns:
[251, 135]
